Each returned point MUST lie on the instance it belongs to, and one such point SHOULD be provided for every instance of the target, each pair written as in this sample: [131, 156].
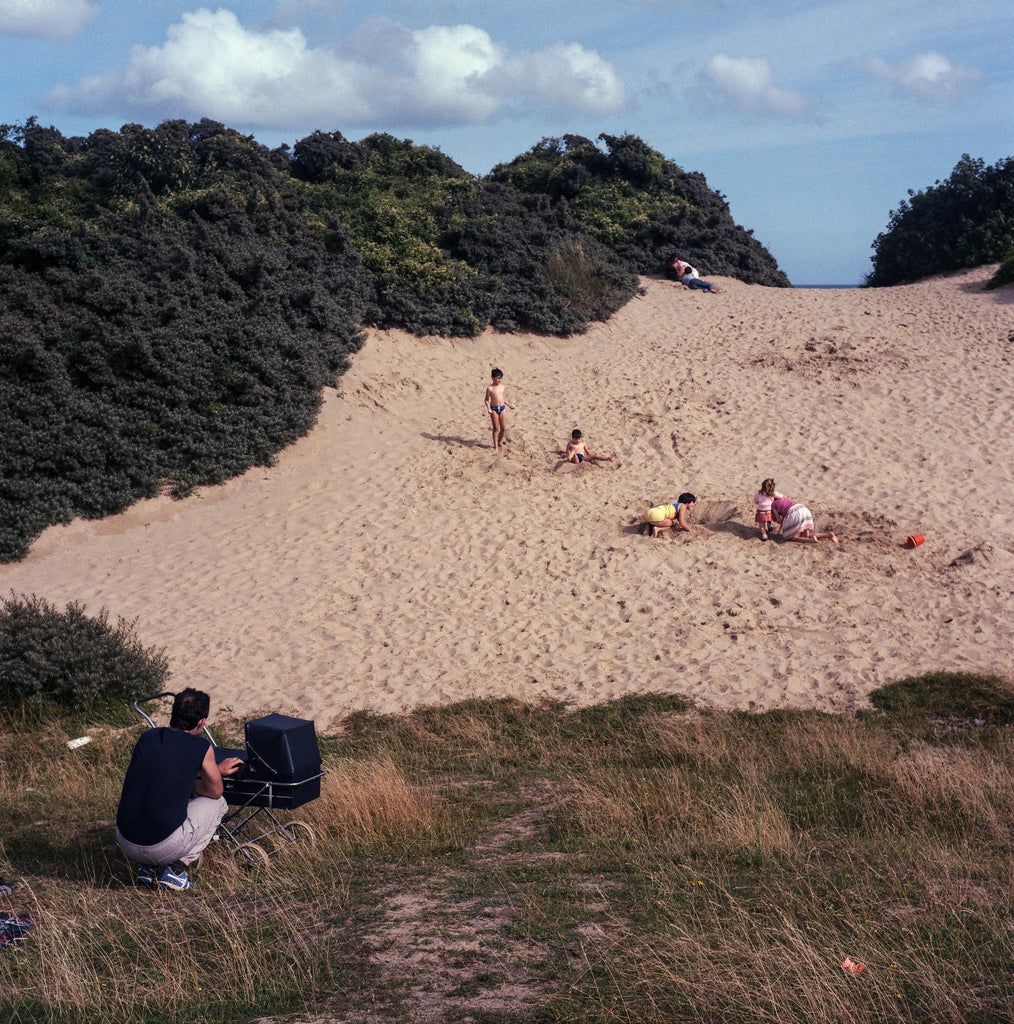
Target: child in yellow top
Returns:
[662, 518]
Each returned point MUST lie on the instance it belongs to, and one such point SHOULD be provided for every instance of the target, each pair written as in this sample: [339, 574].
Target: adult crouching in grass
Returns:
[172, 802]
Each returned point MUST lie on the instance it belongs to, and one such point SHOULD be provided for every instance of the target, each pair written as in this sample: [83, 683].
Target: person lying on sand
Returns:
[577, 451]
[688, 275]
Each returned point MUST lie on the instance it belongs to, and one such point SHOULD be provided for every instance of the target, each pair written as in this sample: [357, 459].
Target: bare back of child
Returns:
[497, 406]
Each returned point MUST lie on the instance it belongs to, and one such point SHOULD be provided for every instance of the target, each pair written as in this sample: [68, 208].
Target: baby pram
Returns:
[281, 770]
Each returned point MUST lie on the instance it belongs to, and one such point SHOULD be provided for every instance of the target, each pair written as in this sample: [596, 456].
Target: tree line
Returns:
[965, 221]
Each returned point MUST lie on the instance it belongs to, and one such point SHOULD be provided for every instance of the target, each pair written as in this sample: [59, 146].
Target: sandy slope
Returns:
[390, 560]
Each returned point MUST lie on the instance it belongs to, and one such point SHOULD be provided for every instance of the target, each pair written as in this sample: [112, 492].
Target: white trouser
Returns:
[187, 842]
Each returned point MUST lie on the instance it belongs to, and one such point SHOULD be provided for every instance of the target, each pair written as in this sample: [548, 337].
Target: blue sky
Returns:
[814, 119]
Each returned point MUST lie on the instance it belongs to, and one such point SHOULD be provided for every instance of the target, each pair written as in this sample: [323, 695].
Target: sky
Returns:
[814, 119]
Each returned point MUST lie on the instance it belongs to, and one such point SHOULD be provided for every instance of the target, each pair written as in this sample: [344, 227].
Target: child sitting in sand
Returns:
[663, 518]
[577, 451]
[497, 406]
[762, 499]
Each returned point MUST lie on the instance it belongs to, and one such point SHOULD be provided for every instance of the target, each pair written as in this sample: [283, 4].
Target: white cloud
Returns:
[45, 19]
[566, 76]
[928, 76]
[212, 66]
[748, 85]
[289, 12]
[448, 67]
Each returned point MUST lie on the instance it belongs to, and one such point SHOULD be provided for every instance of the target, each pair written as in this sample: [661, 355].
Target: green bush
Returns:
[965, 221]
[950, 695]
[1004, 273]
[178, 334]
[641, 206]
[71, 660]
[528, 251]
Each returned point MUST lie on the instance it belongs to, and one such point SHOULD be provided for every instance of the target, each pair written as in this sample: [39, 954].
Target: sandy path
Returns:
[390, 560]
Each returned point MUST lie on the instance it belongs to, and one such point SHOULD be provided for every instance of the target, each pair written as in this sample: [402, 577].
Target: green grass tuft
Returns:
[952, 695]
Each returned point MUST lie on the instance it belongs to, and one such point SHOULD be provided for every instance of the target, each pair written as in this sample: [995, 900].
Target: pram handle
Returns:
[145, 700]
[159, 696]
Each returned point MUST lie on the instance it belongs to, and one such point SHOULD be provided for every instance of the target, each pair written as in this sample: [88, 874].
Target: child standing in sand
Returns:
[762, 499]
[577, 451]
[497, 406]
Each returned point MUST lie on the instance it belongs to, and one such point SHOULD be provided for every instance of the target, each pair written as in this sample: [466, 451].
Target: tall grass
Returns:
[495, 861]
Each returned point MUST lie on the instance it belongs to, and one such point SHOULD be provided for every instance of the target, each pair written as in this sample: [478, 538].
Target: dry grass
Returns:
[497, 862]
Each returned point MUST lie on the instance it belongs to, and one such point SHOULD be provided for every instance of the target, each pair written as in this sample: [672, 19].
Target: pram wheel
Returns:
[250, 855]
[299, 832]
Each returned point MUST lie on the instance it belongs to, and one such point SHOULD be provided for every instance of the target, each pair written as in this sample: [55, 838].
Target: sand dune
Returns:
[390, 560]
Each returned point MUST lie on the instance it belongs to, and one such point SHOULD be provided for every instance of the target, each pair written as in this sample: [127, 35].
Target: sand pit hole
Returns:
[716, 511]
[985, 555]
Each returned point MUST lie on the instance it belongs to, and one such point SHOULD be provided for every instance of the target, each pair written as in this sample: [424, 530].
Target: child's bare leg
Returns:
[805, 536]
[495, 421]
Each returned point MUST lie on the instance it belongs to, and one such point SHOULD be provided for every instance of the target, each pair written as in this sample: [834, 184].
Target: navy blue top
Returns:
[158, 784]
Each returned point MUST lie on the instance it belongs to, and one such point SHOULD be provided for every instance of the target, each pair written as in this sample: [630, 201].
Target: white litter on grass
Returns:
[79, 742]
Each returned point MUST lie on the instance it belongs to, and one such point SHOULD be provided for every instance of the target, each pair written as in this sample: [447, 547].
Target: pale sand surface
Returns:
[389, 560]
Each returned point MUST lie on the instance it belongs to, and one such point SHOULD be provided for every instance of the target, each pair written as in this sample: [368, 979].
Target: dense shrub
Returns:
[947, 696]
[544, 271]
[965, 221]
[396, 199]
[642, 206]
[70, 659]
[169, 340]
[1004, 273]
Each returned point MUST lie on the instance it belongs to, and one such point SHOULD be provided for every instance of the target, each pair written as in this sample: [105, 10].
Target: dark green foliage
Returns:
[948, 695]
[452, 255]
[396, 200]
[547, 273]
[173, 300]
[176, 335]
[965, 221]
[1004, 273]
[642, 206]
[69, 659]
